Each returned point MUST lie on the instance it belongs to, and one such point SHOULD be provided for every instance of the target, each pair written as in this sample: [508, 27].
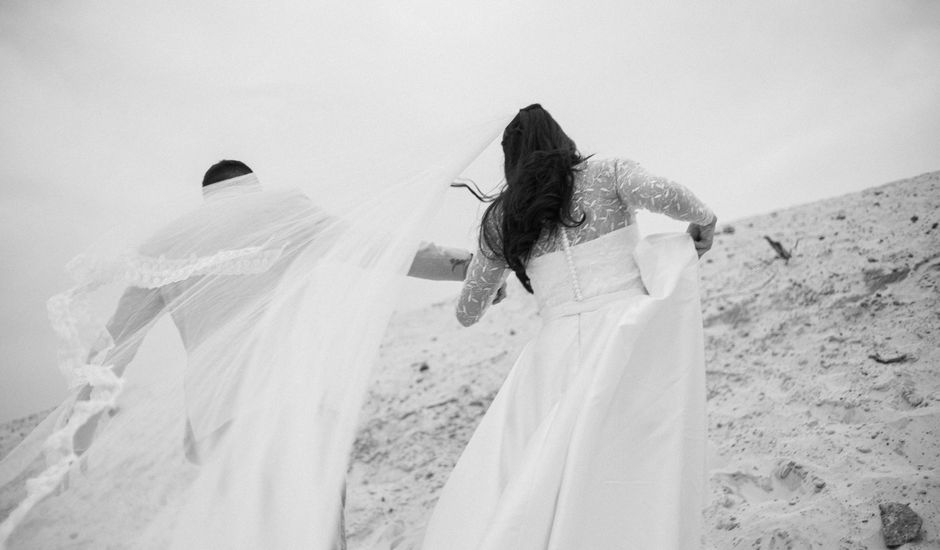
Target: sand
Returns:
[823, 380]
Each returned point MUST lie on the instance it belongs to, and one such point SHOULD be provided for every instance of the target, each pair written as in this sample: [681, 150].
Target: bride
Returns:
[596, 438]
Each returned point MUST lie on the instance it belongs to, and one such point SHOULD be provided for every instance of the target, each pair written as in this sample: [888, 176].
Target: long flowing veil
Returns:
[281, 299]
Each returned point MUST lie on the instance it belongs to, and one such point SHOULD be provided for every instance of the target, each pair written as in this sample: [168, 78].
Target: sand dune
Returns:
[809, 433]
[823, 380]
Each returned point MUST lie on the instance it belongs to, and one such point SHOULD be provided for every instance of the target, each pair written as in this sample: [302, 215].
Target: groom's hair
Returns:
[223, 170]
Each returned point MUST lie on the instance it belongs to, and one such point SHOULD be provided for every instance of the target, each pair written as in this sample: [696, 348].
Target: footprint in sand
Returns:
[781, 539]
[787, 481]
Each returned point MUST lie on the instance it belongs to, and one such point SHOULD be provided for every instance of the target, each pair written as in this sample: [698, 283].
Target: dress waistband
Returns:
[589, 304]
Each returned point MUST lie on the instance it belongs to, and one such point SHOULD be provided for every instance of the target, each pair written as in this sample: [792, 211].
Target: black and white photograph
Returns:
[415, 275]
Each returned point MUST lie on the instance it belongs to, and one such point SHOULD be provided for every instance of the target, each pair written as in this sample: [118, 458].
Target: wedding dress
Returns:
[596, 439]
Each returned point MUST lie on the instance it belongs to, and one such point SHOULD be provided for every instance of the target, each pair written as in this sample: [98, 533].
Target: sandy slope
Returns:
[809, 433]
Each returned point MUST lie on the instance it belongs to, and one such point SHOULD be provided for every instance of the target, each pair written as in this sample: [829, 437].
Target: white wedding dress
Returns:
[596, 439]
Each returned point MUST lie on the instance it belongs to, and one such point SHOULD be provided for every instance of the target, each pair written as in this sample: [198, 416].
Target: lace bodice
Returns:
[607, 192]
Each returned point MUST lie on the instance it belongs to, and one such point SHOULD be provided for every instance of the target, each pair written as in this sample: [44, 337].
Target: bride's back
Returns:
[599, 256]
[595, 197]
[555, 201]
[599, 259]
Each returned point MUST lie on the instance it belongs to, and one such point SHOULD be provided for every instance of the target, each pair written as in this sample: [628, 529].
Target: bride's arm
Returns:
[640, 189]
[438, 263]
[485, 277]
[637, 188]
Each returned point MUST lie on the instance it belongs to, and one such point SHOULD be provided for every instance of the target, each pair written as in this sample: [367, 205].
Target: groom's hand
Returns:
[702, 236]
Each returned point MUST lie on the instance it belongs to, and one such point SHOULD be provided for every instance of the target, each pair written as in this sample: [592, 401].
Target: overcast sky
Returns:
[108, 107]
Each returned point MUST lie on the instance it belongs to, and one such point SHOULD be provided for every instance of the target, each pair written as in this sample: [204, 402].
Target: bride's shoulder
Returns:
[606, 172]
[608, 164]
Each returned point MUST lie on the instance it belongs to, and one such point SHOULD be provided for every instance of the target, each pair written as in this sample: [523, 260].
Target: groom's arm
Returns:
[136, 311]
[439, 263]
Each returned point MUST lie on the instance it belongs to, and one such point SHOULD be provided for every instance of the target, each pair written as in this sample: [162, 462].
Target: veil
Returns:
[281, 300]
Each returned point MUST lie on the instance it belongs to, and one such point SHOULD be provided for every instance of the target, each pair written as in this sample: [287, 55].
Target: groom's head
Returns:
[225, 170]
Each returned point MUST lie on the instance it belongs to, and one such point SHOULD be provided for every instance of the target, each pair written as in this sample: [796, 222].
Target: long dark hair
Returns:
[540, 163]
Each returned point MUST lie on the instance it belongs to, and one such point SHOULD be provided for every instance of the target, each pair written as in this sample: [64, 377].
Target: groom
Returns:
[139, 308]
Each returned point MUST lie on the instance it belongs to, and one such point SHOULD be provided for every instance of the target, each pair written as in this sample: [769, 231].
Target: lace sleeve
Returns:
[484, 277]
[637, 188]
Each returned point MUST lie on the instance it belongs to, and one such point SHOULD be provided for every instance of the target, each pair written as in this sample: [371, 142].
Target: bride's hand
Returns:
[702, 236]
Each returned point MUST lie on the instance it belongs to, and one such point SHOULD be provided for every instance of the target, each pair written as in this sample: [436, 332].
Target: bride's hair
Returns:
[540, 163]
[223, 170]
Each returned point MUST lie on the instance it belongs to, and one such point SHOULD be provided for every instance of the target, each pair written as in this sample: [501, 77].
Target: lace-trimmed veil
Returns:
[283, 304]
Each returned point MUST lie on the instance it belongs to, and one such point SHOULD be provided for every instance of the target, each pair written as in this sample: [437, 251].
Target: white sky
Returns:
[107, 108]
